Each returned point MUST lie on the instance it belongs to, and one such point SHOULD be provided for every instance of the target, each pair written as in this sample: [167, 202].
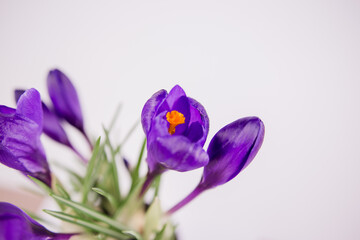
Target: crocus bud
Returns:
[17, 225]
[230, 151]
[65, 98]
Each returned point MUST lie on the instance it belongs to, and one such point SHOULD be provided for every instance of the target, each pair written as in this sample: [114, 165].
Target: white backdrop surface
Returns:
[295, 64]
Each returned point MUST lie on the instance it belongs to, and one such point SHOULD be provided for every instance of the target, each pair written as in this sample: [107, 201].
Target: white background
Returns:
[295, 64]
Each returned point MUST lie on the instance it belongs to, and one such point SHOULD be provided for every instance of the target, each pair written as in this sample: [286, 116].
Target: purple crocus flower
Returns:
[17, 225]
[52, 126]
[20, 130]
[51, 123]
[176, 128]
[230, 151]
[65, 100]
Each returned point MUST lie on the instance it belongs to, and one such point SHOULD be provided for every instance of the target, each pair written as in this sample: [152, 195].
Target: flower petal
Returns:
[64, 98]
[20, 132]
[231, 150]
[29, 105]
[198, 114]
[53, 128]
[51, 123]
[17, 225]
[177, 153]
[150, 108]
[175, 93]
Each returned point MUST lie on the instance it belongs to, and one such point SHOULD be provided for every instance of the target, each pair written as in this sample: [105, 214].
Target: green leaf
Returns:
[41, 185]
[152, 219]
[135, 172]
[89, 225]
[160, 235]
[62, 191]
[113, 165]
[156, 185]
[98, 216]
[89, 178]
[107, 195]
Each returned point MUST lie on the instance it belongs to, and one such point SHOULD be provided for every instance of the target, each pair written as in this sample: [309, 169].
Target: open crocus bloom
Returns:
[17, 225]
[20, 130]
[176, 128]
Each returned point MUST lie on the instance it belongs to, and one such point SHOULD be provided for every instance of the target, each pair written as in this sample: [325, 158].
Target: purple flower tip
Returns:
[17, 225]
[231, 150]
[20, 130]
[51, 123]
[176, 128]
[65, 98]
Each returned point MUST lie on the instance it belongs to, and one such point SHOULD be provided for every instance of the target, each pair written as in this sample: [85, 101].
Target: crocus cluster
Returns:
[65, 107]
[176, 128]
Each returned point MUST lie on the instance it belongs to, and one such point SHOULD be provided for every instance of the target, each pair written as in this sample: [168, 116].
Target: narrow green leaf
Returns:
[62, 191]
[89, 177]
[107, 195]
[135, 172]
[156, 185]
[113, 165]
[159, 235]
[89, 225]
[41, 185]
[91, 213]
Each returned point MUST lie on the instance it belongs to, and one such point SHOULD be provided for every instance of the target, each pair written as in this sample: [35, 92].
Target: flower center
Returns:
[174, 118]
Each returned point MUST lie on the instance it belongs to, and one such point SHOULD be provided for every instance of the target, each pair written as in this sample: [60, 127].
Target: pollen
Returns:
[174, 118]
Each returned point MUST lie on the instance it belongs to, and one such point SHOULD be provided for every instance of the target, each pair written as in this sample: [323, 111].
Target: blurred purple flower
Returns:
[176, 128]
[20, 130]
[64, 98]
[51, 123]
[17, 225]
[230, 151]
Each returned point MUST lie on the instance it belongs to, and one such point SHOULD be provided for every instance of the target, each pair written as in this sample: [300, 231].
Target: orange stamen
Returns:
[174, 118]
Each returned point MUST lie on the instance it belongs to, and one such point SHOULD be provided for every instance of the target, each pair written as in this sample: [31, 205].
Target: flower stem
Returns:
[186, 200]
[87, 139]
[79, 154]
[149, 179]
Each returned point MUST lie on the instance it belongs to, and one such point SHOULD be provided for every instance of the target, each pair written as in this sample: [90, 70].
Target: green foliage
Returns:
[101, 209]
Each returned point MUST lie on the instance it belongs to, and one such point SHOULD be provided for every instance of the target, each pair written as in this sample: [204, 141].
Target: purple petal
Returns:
[17, 225]
[199, 115]
[18, 93]
[64, 98]
[175, 93]
[29, 105]
[195, 132]
[20, 132]
[231, 150]
[177, 153]
[150, 109]
[182, 105]
[53, 128]
[51, 123]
